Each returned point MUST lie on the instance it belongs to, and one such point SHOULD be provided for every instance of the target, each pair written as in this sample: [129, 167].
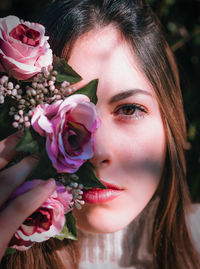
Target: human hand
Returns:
[13, 215]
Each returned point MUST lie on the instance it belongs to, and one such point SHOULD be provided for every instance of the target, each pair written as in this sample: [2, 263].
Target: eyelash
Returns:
[138, 111]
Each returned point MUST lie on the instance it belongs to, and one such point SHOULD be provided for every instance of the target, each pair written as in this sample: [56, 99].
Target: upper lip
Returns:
[110, 186]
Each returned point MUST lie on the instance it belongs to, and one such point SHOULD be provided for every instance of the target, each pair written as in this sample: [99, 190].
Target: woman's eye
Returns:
[130, 111]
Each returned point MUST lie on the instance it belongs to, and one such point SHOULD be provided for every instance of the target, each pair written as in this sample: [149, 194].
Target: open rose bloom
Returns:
[69, 128]
[24, 49]
[47, 221]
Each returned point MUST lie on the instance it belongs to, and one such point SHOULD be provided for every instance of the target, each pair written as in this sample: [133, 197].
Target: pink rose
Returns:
[69, 128]
[47, 221]
[24, 49]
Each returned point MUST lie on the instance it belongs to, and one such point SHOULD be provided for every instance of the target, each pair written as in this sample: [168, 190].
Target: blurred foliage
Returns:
[181, 21]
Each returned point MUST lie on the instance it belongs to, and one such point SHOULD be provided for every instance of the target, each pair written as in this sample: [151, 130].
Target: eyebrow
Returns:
[127, 93]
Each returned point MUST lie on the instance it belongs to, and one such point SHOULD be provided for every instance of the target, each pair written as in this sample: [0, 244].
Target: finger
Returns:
[21, 208]
[13, 176]
[7, 148]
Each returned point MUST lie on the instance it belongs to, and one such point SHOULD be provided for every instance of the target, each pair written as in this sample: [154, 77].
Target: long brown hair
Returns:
[65, 21]
[53, 254]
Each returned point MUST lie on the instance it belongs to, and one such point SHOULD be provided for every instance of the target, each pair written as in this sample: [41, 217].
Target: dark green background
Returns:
[181, 21]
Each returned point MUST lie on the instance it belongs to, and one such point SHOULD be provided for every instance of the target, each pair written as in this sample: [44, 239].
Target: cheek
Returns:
[143, 144]
[141, 161]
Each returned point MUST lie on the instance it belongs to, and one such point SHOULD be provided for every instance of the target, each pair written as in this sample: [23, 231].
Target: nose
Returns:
[102, 147]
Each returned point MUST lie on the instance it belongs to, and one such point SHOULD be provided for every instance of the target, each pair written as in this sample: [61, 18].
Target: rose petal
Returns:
[84, 113]
[73, 100]
[45, 124]
[17, 69]
[19, 59]
[8, 50]
[20, 244]
[36, 228]
[8, 23]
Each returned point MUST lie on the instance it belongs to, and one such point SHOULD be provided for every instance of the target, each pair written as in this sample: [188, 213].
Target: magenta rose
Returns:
[69, 128]
[24, 49]
[47, 221]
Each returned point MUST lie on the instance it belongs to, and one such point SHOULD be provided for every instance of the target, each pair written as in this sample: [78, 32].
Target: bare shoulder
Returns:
[193, 222]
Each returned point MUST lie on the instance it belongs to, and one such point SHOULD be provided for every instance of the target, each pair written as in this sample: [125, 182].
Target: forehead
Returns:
[105, 54]
[104, 39]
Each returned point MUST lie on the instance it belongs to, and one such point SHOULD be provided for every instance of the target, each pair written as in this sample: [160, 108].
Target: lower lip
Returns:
[99, 196]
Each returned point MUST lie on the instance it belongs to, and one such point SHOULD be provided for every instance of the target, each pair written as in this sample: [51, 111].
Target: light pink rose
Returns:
[69, 128]
[24, 49]
[47, 221]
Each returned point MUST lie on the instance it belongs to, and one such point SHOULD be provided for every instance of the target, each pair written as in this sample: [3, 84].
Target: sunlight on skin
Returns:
[130, 145]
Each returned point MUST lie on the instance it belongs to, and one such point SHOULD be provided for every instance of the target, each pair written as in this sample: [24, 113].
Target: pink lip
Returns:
[98, 196]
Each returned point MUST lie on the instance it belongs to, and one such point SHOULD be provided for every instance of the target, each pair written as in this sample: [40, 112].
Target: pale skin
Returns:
[129, 148]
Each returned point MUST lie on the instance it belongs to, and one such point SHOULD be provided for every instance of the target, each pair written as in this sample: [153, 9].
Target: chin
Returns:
[100, 219]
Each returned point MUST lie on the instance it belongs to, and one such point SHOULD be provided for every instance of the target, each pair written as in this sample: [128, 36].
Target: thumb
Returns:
[20, 208]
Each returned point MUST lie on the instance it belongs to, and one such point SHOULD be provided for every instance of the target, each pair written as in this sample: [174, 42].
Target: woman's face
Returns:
[129, 147]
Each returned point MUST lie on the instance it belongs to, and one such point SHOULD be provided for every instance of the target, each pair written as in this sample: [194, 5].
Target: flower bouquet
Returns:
[58, 122]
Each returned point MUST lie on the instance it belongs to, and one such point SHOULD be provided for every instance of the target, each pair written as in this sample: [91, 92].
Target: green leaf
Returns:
[88, 178]
[89, 90]
[5, 121]
[44, 168]
[10, 251]
[69, 229]
[65, 71]
[192, 132]
[71, 225]
[64, 234]
[28, 143]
